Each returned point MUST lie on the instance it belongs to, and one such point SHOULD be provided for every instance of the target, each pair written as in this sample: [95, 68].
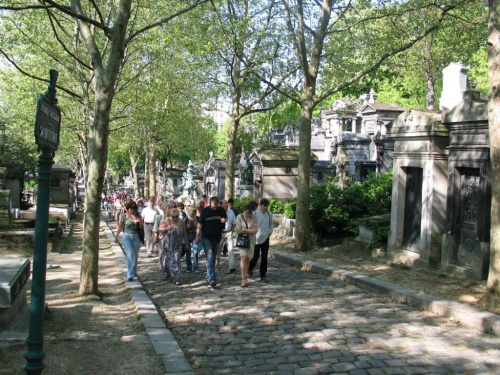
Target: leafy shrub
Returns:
[276, 206]
[240, 203]
[290, 209]
[332, 210]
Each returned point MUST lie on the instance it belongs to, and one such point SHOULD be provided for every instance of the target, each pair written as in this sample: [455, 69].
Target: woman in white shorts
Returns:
[246, 224]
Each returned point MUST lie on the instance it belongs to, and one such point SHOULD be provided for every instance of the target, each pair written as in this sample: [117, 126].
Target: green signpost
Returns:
[47, 129]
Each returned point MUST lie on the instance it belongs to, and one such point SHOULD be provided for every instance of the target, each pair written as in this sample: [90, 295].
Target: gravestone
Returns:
[5, 207]
[14, 275]
[419, 188]
[466, 243]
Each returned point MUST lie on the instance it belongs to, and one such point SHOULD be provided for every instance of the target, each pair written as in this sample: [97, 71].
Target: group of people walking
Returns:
[177, 229]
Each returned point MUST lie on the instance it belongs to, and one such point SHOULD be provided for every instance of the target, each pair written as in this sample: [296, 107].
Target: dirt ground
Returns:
[84, 335]
[88, 336]
[430, 282]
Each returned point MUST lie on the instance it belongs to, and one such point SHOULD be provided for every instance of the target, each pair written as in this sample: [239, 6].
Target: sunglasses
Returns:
[175, 217]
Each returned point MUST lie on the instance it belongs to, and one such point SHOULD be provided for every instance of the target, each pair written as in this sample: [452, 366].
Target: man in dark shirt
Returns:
[209, 232]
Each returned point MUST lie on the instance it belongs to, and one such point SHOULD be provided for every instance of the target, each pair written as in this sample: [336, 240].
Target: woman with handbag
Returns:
[246, 228]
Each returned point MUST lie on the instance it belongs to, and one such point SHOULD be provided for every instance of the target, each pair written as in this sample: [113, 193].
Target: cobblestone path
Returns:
[305, 323]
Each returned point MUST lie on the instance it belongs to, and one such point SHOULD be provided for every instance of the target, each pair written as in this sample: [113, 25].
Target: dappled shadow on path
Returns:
[301, 320]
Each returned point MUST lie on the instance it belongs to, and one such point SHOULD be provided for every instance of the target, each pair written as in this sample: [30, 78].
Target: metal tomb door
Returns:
[468, 216]
[413, 209]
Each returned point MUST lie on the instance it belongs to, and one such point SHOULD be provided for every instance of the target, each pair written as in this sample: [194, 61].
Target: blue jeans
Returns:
[197, 248]
[191, 244]
[131, 243]
[211, 252]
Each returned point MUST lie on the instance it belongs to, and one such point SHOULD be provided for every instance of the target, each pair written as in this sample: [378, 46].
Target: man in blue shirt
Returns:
[211, 223]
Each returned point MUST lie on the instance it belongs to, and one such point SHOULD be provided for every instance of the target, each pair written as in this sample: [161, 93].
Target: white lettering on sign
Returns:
[52, 114]
[45, 109]
[48, 134]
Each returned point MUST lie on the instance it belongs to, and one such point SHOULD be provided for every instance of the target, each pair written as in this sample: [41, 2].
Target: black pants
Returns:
[264, 249]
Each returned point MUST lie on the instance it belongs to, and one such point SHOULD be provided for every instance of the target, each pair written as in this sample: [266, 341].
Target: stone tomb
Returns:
[419, 190]
[14, 275]
[63, 187]
[466, 246]
[357, 149]
[275, 173]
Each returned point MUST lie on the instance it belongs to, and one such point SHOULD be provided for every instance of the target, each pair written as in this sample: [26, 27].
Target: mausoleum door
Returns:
[413, 209]
[468, 215]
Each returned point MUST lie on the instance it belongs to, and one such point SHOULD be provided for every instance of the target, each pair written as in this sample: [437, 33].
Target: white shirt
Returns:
[265, 222]
[149, 214]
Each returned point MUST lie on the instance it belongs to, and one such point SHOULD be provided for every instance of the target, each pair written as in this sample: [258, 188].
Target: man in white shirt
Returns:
[265, 223]
[227, 236]
[149, 214]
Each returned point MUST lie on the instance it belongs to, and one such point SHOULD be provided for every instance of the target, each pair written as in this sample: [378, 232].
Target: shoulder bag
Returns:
[243, 240]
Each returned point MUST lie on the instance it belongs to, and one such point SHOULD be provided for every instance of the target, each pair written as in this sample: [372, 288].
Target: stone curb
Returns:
[465, 315]
[162, 339]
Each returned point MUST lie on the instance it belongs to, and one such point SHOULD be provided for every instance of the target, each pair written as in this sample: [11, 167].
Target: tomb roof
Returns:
[471, 109]
[382, 107]
[280, 154]
[417, 122]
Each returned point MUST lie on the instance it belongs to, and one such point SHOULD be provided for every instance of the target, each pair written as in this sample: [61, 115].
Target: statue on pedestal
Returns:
[187, 184]
[246, 177]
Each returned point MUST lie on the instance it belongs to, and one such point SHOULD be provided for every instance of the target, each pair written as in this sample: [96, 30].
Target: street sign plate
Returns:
[47, 124]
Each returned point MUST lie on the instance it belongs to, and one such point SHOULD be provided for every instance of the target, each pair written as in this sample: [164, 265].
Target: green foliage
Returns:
[332, 210]
[290, 209]
[380, 231]
[276, 206]
[240, 203]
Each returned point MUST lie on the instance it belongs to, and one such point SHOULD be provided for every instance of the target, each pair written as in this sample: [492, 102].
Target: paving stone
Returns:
[303, 322]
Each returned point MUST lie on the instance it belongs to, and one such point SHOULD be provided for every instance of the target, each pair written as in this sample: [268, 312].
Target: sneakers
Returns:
[213, 284]
[188, 271]
[263, 279]
[232, 270]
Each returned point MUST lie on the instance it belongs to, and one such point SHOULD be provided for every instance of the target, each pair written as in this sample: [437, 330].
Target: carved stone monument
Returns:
[214, 174]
